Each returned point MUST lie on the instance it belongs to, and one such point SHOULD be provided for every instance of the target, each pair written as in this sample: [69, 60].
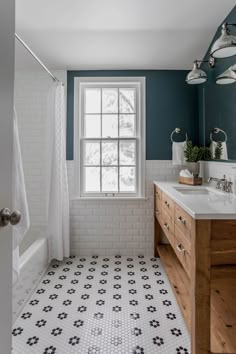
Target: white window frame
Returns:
[139, 83]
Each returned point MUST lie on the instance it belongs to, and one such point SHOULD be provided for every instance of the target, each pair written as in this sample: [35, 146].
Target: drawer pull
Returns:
[180, 219]
[167, 204]
[166, 226]
[180, 248]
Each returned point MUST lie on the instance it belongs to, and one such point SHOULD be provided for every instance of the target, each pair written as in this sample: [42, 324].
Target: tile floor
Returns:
[102, 305]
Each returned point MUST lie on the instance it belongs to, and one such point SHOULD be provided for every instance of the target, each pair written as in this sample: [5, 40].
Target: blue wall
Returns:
[217, 103]
[170, 103]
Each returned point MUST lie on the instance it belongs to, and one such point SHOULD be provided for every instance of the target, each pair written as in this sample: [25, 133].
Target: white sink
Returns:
[195, 191]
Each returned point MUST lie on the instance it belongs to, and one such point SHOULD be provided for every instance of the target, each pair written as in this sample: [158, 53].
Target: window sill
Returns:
[111, 198]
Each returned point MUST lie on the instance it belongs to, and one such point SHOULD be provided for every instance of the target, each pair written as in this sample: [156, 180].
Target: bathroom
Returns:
[118, 235]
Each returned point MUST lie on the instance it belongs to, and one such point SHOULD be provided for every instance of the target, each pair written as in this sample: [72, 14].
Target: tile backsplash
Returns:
[218, 170]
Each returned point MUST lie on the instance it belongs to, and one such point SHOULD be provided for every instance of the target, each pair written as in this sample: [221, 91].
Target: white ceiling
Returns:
[117, 34]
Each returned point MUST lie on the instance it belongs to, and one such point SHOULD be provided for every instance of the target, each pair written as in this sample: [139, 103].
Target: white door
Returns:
[7, 43]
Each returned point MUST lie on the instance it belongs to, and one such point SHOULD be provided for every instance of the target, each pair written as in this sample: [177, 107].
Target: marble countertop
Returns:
[215, 205]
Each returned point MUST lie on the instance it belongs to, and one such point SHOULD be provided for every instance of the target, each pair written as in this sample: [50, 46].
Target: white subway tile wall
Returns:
[31, 107]
[218, 170]
[110, 227]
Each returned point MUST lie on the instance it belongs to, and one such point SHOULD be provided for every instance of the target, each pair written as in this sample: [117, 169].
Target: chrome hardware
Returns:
[181, 220]
[229, 188]
[180, 248]
[177, 131]
[166, 226]
[222, 184]
[15, 217]
[218, 180]
[6, 217]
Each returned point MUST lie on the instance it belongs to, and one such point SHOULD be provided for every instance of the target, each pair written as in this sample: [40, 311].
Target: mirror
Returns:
[220, 119]
[217, 102]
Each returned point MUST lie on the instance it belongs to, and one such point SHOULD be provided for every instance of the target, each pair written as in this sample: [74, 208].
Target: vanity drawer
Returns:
[157, 193]
[157, 214]
[183, 239]
[167, 224]
[168, 204]
[183, 220]
[183, 250]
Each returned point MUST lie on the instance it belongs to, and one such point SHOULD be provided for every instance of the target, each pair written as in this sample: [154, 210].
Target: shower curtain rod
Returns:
[36, 58]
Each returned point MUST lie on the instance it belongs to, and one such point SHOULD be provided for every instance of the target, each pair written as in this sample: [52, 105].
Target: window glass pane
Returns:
[110, 125]
[93, 100]
[127, 152]
[109, 179]
[92, 179]
[92, 126]
[127, 179]
[110, 153]
[110, 100]
[127, 124]
[92, 153]
[127, 101]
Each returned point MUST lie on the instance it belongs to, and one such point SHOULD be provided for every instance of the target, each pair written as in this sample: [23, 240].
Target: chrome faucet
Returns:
[220, 181]
[222, 184]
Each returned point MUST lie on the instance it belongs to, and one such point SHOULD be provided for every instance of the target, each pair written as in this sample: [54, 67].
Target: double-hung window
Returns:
[109, 137]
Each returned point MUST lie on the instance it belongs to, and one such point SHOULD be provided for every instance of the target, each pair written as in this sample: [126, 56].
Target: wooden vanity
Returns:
[200, 261]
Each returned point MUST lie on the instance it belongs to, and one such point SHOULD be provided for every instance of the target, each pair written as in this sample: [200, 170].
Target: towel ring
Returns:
[177, 131]
[216, 131]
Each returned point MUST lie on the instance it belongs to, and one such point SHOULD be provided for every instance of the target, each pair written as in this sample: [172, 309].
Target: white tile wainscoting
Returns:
[110, 227]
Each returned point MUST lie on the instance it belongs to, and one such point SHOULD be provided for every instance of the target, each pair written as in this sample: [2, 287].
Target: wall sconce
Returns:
[196, 75]
[227, 77]
[225, 45]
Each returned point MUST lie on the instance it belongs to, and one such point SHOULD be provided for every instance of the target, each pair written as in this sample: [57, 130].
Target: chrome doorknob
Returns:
[15, 217]
[6, 217]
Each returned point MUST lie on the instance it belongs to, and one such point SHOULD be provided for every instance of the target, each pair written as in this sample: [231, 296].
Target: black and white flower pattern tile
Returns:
[102, 305]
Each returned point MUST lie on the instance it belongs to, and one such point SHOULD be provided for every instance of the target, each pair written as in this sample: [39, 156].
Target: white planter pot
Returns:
[194, 168]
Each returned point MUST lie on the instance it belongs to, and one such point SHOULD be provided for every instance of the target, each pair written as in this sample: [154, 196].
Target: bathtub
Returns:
[33, 264]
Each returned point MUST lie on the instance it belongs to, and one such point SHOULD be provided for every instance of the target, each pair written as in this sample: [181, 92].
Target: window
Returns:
[109, 137]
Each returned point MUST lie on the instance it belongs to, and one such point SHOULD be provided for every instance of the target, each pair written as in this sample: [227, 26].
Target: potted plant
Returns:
[193, 154]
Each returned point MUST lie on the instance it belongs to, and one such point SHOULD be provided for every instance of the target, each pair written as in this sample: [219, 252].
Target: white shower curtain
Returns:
[58, 196]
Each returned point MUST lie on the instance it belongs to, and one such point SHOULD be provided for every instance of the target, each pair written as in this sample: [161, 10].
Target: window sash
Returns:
[110, 193]
[118, 165]
[117, 87]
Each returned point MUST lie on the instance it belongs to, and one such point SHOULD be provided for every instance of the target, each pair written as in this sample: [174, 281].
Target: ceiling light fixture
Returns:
[225, 45]
[196, 75]
[227, 77]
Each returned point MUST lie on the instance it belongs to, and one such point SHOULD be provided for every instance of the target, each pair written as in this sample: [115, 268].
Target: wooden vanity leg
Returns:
[200, 288]
[157, 229]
